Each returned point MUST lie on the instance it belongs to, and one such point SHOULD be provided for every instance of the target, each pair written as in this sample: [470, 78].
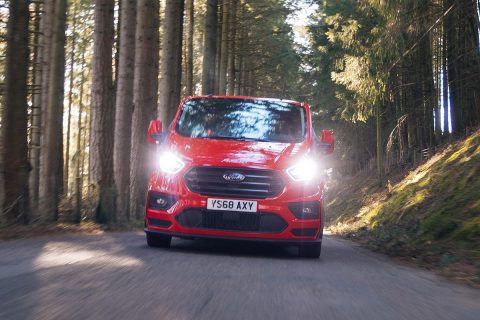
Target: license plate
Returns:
[232, 205]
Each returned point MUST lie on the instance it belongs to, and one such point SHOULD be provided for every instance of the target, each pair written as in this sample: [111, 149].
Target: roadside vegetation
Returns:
[431, 215]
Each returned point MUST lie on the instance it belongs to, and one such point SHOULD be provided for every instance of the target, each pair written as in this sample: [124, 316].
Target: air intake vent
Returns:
[200, 218]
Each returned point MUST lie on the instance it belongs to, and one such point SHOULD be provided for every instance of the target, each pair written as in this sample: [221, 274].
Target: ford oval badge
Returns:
[234, 176]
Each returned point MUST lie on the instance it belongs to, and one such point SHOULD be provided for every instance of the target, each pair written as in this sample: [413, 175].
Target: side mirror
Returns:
[155, 135]
[327, 144]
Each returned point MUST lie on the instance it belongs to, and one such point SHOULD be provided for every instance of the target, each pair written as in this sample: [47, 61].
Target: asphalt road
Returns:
[116, 276]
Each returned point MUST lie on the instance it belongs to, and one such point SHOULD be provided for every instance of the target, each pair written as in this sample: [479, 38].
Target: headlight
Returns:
[170, 163]
[304, 170]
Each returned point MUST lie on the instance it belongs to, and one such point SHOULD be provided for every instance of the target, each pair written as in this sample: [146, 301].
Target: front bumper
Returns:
[215, 237]
[170, 222]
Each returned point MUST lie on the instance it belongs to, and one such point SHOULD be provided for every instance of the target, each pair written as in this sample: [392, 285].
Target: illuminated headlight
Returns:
[304, 170]
[170, 163]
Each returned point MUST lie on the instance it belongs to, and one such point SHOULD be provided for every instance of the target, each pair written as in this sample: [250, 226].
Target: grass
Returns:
[430, 215]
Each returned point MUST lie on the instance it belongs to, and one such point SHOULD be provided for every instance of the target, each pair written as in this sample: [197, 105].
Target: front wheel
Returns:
[311, 250]
[156, 240]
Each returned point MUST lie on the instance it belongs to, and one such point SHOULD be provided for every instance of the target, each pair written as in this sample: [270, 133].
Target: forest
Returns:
[81, 79]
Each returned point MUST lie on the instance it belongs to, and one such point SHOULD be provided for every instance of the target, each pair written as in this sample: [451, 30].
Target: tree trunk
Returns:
[15, 117]
[89, 158]
[241, 52]
[189, 60]
[438, 63]
[451, 25]
[231, 48]
[36, 112]
[53, 135]
[210, 47]
[222, 73]
[427, 81]
[379, 145]
[70, 100]
[171, 67]
[79, 152]
[118, 44]
[124, 109]
[85, 161]
[145, 100]
[216, 87]
[103, 117]
[46, 31]
[445, 89]
[469, 63]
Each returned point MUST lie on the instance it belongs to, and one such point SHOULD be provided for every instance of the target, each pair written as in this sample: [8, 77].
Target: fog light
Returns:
[160, 201]
[305, 210]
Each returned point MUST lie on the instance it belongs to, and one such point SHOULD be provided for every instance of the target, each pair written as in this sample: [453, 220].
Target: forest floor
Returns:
[429, 216]
[39, 230]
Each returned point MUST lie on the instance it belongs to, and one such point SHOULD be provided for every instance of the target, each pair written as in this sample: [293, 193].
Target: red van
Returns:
[238, 168]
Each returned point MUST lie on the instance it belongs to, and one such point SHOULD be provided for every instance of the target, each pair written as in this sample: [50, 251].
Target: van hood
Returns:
[231, 153]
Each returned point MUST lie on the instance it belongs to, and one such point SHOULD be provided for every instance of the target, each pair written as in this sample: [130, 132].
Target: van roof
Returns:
[245, 98]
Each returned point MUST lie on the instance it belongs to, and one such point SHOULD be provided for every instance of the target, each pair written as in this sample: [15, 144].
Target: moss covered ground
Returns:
[430, 215]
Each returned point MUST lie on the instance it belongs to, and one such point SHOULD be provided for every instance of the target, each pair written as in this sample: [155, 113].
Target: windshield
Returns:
[238, 119]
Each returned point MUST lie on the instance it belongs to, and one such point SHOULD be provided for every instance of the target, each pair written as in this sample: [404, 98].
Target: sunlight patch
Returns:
[417, 199]
[60, 254]
[414, 179]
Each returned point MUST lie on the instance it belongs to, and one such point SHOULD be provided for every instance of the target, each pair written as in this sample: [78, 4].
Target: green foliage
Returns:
[347, 49]
[268, 49]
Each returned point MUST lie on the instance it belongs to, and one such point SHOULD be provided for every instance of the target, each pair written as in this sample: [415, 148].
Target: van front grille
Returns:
[256, 183]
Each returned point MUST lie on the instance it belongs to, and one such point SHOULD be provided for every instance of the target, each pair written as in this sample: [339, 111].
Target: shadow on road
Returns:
[233, 248]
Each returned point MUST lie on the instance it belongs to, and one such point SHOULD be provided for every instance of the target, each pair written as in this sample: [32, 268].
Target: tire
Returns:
[312, 250]
[158, 241]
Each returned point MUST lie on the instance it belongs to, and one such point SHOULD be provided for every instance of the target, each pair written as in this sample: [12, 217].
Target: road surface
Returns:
[116, 276]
